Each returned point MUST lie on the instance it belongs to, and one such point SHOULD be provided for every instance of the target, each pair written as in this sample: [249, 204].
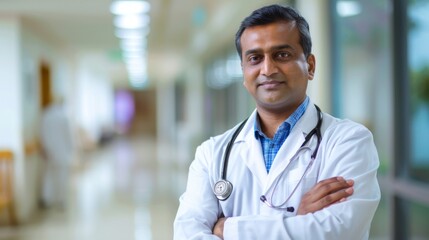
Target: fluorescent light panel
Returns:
[129, 7]
[348, 8]
[134, 21]
[132, 33]
[132, 27]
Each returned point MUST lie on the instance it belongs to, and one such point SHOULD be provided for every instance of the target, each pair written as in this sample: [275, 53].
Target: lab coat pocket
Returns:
[303, 172]
[299, 177]
[299, 164]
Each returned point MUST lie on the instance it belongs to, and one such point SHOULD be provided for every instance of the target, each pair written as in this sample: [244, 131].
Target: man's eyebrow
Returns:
[274, 48]
[251, 51]
[285, 46]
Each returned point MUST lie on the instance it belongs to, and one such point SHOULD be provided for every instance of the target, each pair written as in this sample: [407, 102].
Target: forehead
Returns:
[270, 34]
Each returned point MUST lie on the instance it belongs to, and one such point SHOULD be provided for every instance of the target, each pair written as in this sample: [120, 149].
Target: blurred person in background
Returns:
[58, 150]
[289, 171]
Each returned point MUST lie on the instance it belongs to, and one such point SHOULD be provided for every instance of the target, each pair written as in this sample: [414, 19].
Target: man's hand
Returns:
[324, 194]
[218, 228]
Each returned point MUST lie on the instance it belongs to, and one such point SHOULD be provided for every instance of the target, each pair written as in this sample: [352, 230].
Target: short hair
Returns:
[276, 13]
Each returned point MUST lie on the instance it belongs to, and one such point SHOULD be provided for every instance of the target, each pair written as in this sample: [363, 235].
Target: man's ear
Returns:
[311, 66]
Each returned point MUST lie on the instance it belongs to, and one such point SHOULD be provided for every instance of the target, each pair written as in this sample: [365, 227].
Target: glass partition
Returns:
[418, 64]
[363, 87]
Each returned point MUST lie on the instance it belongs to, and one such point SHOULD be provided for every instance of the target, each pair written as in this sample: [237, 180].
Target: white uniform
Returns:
[58, 144]
[347, 149]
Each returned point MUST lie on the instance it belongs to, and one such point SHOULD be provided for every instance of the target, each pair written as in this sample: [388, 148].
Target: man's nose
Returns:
[268, 67]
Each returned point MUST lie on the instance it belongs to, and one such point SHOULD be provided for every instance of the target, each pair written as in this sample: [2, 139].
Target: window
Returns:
[418, 64]
[362, 84]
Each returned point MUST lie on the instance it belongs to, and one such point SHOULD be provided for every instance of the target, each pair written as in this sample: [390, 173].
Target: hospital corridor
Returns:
[119, 191]
[104, 103]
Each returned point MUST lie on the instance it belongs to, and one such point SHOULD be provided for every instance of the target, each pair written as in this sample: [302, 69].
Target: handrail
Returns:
[6, 154]
[6, 185]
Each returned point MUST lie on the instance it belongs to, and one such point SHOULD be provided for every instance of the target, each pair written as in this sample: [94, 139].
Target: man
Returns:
[59, 150]
[288, 163]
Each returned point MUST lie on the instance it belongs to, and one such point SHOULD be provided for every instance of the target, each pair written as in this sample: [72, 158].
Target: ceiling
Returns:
[179, 29]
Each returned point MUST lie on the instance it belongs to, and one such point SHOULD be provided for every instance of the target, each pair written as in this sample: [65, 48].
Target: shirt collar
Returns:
[291, 120]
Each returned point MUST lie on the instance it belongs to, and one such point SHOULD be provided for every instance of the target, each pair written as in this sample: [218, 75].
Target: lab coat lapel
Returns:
[285, 154]
[294, 141]
[251, 152]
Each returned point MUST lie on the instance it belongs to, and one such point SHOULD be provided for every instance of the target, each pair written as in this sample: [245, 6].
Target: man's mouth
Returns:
[270, 84]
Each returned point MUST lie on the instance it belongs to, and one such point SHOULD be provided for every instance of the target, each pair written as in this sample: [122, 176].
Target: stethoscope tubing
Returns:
[228, 149]
[223, 188]
[267, 201]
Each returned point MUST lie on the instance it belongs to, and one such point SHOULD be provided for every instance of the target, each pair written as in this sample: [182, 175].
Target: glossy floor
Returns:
[124, 190]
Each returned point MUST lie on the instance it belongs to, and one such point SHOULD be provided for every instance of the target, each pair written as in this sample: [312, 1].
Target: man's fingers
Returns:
[328, 186]
[325, 193]
[317, 191]
[334, 197]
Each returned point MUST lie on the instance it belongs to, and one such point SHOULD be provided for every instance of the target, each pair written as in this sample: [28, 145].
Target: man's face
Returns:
[275, 69]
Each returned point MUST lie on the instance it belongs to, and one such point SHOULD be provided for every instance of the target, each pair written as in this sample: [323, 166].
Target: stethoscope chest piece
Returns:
[222, 189]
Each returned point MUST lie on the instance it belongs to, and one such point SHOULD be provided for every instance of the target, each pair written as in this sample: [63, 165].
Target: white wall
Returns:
[94, 96]
[11, 132]
[316, 14]
[10, 85]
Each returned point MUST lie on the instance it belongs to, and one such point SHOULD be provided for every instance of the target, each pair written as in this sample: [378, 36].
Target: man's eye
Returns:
[283, 55]
[254, 59]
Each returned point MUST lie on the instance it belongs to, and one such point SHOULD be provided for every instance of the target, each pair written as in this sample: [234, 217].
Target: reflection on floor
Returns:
[122, 191]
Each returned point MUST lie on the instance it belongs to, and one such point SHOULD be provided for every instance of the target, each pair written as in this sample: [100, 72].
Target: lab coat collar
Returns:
[308, 121]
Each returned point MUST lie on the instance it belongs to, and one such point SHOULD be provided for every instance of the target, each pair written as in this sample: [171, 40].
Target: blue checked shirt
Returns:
[270, 147]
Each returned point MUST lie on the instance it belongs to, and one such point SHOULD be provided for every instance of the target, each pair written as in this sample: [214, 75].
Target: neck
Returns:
[270, 118]
[270, 121]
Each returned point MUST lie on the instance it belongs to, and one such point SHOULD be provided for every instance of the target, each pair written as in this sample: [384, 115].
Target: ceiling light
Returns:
[134, 42]
[136, 67]
[137, 80]
[132, 49]
[133, 45]
[348, 8]
[131, 21]
[132, 33]
[136, 54]
[129, 7]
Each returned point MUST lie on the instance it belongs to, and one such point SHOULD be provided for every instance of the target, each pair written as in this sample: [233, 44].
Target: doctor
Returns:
[290, 171]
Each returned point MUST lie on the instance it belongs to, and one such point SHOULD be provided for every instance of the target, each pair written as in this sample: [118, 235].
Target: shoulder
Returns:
[214, 147]
[220, 140]
[209, 154]
[337, 129]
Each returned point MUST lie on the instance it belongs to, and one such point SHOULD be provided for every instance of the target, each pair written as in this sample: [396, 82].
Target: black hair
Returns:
[276, 13]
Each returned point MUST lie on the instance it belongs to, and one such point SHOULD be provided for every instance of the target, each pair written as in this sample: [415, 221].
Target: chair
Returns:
[6, 178]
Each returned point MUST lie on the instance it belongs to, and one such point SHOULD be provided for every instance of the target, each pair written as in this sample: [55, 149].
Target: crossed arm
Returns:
[323, 194]
[334, 208]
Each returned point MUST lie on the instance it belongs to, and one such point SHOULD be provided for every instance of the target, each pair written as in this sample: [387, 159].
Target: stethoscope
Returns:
[223, 188]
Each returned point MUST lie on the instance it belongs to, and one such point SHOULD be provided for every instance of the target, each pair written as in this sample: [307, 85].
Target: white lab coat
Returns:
[347, 149]
[59, 147]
